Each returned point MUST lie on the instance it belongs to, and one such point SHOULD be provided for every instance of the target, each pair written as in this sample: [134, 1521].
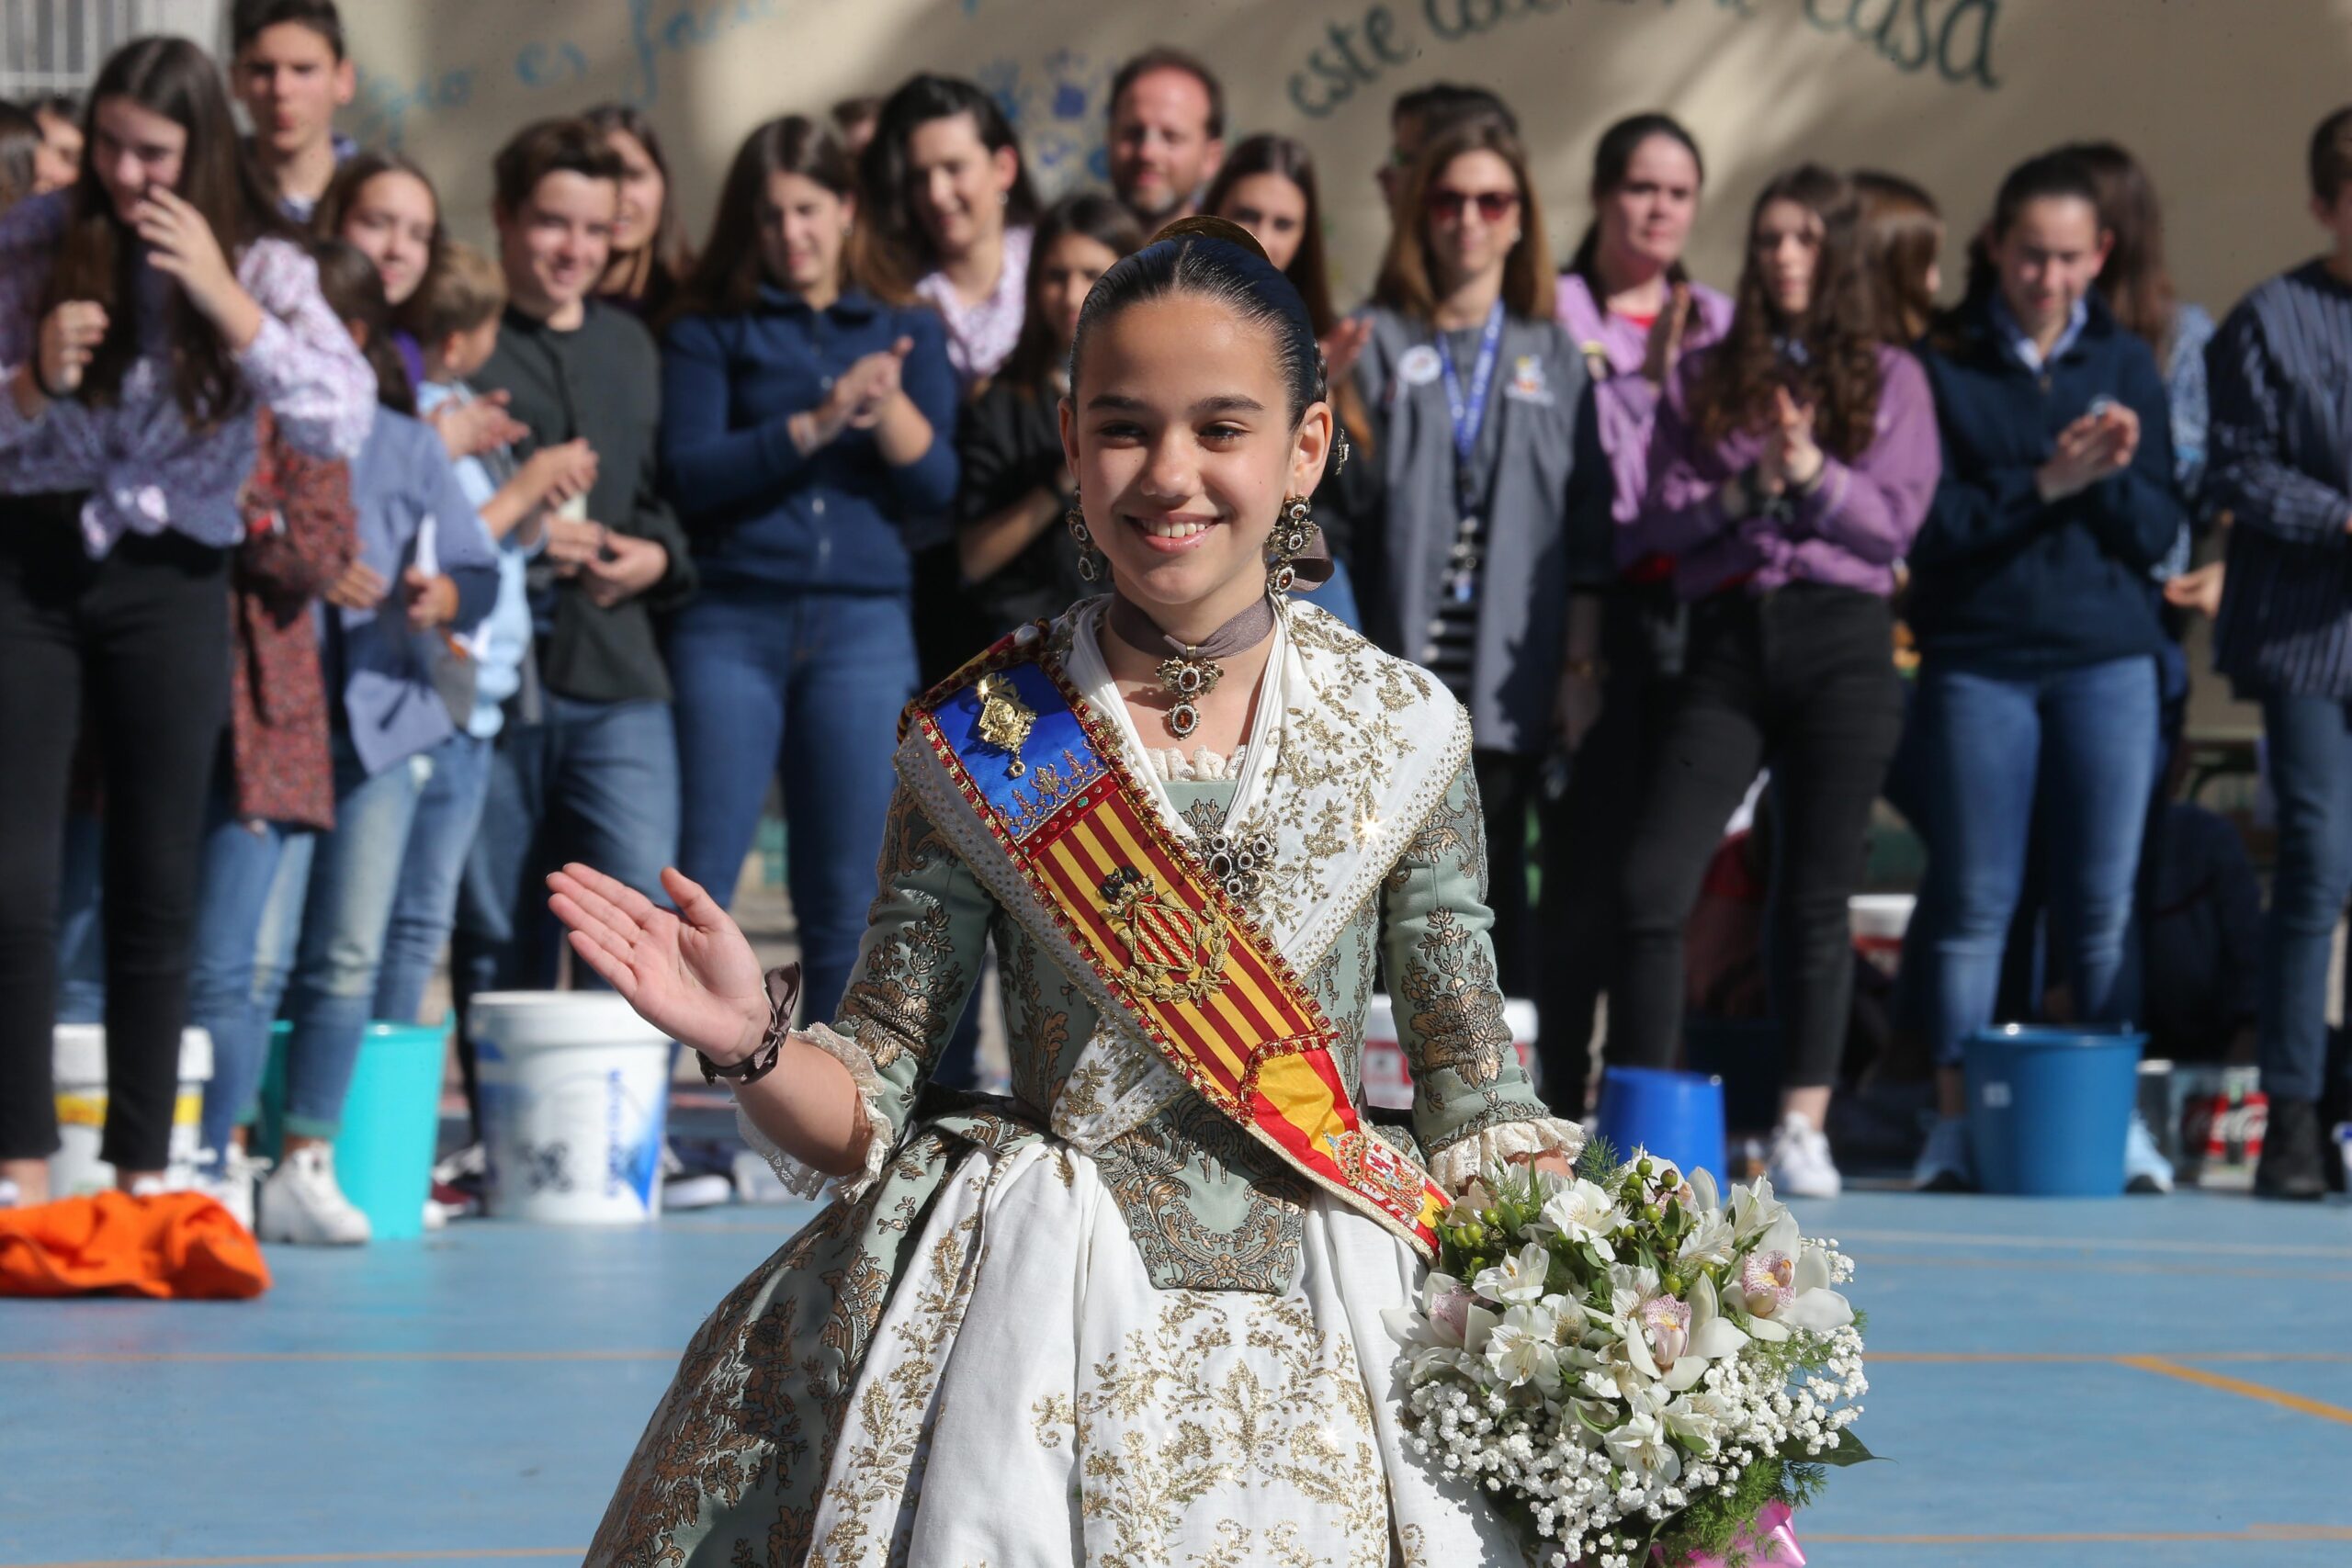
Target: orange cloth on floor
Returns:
[173, 1245]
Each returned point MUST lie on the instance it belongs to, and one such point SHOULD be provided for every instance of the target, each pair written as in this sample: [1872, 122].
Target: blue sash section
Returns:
[1059, 760]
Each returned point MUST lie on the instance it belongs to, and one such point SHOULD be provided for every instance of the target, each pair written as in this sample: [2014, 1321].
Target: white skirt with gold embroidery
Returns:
[1031, 1399]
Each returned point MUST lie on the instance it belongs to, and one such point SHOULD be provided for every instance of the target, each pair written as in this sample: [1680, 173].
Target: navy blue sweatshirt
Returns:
[758, 511]
[2004, 582]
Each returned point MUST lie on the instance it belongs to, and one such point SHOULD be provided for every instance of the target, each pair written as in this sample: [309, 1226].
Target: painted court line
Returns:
[2100, 1266]
[2253, 1535]
[1996, 1357]
[2163, 1368]
[2097, 1244]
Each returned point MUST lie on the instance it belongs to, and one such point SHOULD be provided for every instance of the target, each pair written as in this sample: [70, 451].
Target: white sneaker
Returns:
[300, 1204]
[1945, 1164]
[11, 1196]
[233, 1186]
[2145, 1169]
[1800, 1165]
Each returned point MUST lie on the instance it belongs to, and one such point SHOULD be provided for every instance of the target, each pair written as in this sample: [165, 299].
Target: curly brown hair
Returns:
[1836, 373]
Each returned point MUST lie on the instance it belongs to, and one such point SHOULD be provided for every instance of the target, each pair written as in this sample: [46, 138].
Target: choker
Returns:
[1190, 671]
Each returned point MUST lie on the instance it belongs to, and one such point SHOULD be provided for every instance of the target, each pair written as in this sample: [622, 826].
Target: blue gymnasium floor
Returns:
[2149, 1383]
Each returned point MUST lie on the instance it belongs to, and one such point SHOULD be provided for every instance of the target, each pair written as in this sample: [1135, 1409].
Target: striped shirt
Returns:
[2280, 465]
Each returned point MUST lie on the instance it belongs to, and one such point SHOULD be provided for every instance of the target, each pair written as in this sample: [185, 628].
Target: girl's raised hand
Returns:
[691, 975]
[181, 245]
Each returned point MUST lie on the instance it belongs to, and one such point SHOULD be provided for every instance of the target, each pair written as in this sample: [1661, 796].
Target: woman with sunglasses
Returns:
[1491, 470]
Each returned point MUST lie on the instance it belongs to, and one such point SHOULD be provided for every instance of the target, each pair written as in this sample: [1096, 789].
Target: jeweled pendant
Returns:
[1187, 679]
[1182, 719]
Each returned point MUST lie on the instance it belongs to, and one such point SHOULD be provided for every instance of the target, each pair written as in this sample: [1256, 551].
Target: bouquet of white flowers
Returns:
[1635, 1368]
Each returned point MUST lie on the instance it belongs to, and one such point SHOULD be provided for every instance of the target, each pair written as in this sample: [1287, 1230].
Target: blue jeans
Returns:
[2310, 773]
[595, 782]
[439, 842]
[240, 862]
[2082, 744]
[322, 933]
[807, 688]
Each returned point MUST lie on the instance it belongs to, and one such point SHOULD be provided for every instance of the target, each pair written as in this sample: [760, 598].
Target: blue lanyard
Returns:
[1470, 412]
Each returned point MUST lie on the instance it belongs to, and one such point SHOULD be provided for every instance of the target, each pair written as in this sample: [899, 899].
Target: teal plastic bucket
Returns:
[1678, 1116]
[2048, 1108]
[392, 1120]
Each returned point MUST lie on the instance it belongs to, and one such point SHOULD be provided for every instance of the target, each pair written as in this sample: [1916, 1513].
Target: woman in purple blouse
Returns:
[144, 313]
[1791, 466]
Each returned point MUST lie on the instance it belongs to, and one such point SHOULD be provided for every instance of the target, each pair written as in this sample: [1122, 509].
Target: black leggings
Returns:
[142, 638]
[1802, 680]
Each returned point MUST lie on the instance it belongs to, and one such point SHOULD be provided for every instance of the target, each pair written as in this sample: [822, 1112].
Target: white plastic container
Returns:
[79, 1053]
[1389, 1078]
[1878, 921]
[575, 1092]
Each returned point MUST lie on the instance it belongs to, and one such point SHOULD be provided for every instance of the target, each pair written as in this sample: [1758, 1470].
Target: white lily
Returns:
[1700, 1417]
[1703, 1197]
[1450, 1318]
[1474, 1201]
[1583, 1213]
[1640, 1443]
[1518, 1278]
[1711, 1241]
[1754, 1210]
[1523, 1347]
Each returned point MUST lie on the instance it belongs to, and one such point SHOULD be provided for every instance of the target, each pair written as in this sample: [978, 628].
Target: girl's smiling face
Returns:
[1178, 430]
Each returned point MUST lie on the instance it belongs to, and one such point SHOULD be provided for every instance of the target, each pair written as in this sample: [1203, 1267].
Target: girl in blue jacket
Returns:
[804, 425]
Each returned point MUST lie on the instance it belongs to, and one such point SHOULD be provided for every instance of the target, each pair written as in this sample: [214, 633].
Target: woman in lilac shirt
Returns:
[144, 313]
[1633, 311]
[1791, 466]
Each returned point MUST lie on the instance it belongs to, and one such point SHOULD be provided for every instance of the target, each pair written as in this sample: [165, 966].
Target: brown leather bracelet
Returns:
[784, 989]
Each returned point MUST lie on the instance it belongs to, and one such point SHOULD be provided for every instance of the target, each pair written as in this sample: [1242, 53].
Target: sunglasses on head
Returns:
[1493, 205]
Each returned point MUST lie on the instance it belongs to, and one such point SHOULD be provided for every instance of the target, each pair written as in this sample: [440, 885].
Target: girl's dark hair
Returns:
[2056, 176]
[97, 256]
[727, 274]
[353, 173]
[892, 252]
[667, 257]
[1902, 233]
[1094, 215]
[1267, 154]
[19, 140]
[1613, 162]
[1828, 358]
[1212, 259]
[1405, 285]
[2134, 281]
[354, 290]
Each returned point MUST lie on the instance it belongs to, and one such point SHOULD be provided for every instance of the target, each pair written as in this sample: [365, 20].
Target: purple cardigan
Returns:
[1623, 399]
[1848, 531]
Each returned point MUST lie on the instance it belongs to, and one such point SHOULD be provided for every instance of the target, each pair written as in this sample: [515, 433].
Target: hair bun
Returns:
[1202, 227]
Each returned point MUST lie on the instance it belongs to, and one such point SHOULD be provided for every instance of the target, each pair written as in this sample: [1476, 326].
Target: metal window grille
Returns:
[56, 46]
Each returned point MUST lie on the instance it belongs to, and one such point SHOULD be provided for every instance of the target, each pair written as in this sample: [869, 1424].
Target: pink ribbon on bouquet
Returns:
[1770, 1541]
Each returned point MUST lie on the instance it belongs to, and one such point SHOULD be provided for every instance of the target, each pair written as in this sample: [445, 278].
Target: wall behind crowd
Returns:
[2215, 95]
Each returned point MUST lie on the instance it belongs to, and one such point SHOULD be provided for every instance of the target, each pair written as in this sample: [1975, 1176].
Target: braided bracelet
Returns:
[784, 989]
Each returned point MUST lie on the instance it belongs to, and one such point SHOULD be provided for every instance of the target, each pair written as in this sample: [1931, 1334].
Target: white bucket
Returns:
[574, 1093]
[1389, 1077]
[1878, 921]
[79, 1053]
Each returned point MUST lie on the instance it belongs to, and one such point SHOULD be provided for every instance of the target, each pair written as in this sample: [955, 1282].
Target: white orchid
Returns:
[1518, 1278]
[1784, 1285]
[1450, 1318]
[1672, 1340]
[1582, 1212]
[1754, 1210]
[1524, 1348]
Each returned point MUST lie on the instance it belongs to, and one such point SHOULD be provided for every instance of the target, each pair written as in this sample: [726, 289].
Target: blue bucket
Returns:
[391, 1118]
[1678, 1116]
[2048, 1108]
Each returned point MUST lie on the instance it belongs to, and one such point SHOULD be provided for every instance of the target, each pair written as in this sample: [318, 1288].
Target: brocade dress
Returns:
[1098, 1322]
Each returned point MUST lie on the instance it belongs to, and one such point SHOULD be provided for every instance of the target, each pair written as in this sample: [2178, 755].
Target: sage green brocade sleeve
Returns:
[925, 940]
[1472, 1101]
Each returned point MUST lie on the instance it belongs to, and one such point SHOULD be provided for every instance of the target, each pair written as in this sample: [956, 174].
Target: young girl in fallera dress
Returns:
[1131, 1313]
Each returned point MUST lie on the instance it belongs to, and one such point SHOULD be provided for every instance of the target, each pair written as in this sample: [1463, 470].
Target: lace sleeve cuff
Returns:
[1452, 1166]
[805, 1180]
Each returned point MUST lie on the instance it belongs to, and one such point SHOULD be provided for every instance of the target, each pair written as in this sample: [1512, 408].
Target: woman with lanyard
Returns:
[1633, 311]
[1491, 470]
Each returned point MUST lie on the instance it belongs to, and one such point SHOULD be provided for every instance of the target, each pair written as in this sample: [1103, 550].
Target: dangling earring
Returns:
[1091, 564]
[1292, 531]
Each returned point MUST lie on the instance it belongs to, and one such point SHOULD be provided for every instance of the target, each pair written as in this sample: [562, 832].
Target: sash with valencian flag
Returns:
[1153, 933]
